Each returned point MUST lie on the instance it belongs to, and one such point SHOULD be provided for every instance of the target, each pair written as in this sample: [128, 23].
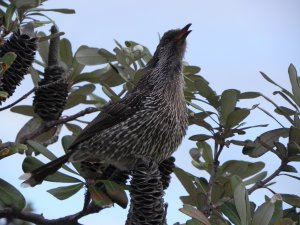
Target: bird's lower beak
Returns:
[184, 32]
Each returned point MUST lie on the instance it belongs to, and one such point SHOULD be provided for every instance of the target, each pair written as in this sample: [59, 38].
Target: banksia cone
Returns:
[50, 98]
[146, 194]
[24, 46]
[166, 168]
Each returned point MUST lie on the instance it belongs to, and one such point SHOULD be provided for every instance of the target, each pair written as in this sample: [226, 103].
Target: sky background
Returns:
[232, 40]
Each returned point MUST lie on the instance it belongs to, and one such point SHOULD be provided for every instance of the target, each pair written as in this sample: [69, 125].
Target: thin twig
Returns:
[261, 184]
[17, 101]
[47, 126]
[39, 218]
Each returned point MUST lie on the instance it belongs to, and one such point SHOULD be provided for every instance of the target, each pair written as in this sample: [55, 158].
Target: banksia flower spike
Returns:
[24, 45]
[50, 97]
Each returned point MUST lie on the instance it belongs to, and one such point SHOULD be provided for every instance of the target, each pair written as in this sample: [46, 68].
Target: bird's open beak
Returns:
[184, 32]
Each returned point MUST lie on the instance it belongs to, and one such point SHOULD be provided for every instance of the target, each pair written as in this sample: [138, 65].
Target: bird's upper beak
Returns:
[184, 32]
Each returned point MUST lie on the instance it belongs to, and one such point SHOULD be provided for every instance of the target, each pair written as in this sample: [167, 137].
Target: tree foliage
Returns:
[222, 198]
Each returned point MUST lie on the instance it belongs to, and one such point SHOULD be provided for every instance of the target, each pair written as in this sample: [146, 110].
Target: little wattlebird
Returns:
[148, 123]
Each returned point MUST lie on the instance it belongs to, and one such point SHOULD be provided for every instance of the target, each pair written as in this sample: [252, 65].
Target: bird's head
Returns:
[172, 45]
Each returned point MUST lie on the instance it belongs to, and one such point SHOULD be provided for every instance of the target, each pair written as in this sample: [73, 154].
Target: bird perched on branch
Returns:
[148, 123]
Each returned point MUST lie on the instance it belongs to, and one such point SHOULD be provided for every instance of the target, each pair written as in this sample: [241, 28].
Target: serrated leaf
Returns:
[26, 110]
[65, 49]
[65, 192]
[230, 211]
[99, 197]
[194, 213]
[10, 196]
[263, 214]
[31, 163]
[236, 117]
[116, 193]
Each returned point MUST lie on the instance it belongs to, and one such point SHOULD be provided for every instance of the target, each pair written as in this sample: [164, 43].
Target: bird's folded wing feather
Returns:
[111, 115]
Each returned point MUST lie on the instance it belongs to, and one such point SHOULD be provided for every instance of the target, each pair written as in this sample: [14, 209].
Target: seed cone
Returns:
[146, 194]
[50, 98]
[166, 169]
[24, 46]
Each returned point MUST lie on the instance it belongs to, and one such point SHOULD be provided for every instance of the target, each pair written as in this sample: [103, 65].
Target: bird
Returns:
[149, 123]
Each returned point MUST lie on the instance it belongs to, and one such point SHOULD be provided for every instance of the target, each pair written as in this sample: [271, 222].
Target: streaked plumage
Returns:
[147, 123]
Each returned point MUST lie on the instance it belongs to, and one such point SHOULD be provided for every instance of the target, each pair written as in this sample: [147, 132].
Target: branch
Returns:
[39, 218]
[261, 184]
[47, 126]
[17, 101]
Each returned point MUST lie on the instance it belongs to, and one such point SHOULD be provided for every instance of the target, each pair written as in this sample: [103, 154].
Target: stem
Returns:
[261, 184]
[20, 99]
[47, 126]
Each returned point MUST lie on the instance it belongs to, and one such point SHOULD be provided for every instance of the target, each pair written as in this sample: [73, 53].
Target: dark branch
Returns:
[39, 218]
[47, 126]
[17, 101]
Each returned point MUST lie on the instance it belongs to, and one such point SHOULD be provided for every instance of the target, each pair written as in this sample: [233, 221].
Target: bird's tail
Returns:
[38, 175]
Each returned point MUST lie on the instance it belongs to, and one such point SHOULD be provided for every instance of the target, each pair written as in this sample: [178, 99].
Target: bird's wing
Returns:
[111, 115]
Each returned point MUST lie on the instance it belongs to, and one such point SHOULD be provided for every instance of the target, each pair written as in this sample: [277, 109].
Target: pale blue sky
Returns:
[232, 40]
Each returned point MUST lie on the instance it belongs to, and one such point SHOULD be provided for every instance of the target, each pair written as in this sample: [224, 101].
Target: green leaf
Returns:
[3, 94]
[66, 141]
[9, 15]
[206, 151]
[31, 163]
[263, 214]
[200, 137]
[8, 58]
[228, 102]
[256, 178]
[66, 54]
[281, 110]
[25, 4]
[285, 221]
[65, 192]
[289, 168]
[26, 110]
[31, 125]
[236, 117]
[292, 200]
[108, 75]
[90, 56]
[110, 93]
[241, 199]
[294, 79]
[41, 149]
[230, 211]
[10, 196]
[187, 181]
[99, 197]
[74, 100]
[194, 213]
[116, 193]
[65, 11]
[18, 148]
[191, 69]
[249, 95]
[75, 129]
[43, 48]
[266, 139]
